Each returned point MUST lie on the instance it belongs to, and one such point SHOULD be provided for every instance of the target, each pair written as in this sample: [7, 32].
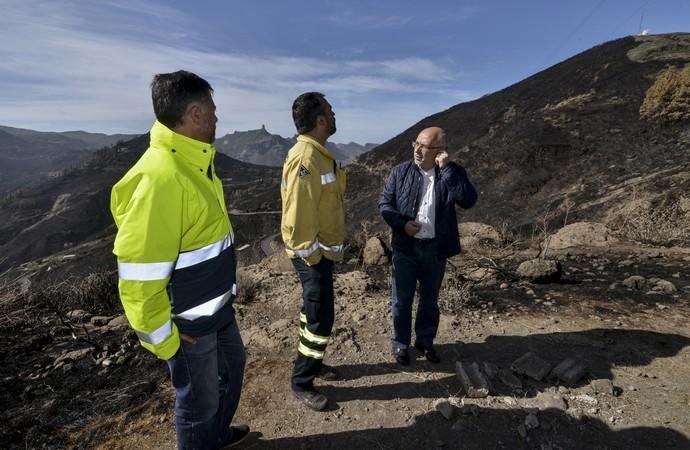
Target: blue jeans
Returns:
[425, 268]
[207, 377]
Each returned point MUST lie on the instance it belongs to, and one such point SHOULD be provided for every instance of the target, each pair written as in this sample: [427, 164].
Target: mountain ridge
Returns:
[566, 144]
[259, 146]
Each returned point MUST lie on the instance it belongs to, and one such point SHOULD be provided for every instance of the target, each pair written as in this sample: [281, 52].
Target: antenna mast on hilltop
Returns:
[639, 31]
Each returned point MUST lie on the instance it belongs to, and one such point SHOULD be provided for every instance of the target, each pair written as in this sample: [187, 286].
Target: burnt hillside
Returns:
[73, 208]
[568, 140]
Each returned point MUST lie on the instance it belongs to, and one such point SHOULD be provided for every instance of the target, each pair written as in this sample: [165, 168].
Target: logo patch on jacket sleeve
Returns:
[303, 172]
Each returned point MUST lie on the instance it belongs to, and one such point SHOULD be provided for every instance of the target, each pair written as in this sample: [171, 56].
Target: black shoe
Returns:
[313, 399]
[402, 357]
[430, 354]
[239, 434]
[328, 373]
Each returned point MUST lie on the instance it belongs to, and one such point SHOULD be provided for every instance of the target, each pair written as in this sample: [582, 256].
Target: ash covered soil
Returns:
[74, 376]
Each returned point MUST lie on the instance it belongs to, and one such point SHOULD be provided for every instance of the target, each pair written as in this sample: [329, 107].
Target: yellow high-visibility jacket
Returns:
[174, 243]
[312, 193]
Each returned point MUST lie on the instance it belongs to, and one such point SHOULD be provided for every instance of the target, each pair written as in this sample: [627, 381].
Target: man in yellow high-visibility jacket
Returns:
[176, 262]
[313, 229]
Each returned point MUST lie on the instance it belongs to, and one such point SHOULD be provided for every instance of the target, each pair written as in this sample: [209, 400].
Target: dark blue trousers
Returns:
[318, 314]
[207, 377]
[423, 268]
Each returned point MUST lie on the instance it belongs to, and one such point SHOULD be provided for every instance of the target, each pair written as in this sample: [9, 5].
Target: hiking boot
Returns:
[402, 357]
[430, 354]
[313, 399]
[328, 373]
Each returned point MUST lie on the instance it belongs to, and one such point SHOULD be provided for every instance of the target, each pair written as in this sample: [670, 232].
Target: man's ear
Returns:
[321, 120]
[193, 114]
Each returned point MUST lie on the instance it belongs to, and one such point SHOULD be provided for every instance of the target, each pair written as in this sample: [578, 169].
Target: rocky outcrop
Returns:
[375, 252]
[582, 234]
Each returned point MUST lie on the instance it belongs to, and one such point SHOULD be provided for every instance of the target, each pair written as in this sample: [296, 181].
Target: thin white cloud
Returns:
[417, 18]
[55, 68]
[349, 19]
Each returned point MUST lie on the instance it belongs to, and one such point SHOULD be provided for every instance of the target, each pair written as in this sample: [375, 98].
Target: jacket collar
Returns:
[411, 165]
[195, 152]
[319, 147]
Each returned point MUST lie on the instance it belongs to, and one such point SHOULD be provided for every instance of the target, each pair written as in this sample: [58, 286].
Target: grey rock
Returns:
[118, 322]
[510, 401]
[509, 379]
[547, 400]
[531, 365]
[445, 408]
[99, 321]
[635, 282]
[490, 369]
[74, 355]
[569, 371]
[476, 234]
[580, 234]
[666, 286]
[474, 382]
[603, 386]
[540, 270]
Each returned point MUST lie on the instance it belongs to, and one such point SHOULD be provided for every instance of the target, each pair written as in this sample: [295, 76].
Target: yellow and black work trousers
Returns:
[316, 320]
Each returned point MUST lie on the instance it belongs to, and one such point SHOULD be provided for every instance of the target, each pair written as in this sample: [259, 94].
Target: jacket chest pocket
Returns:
[329, 189]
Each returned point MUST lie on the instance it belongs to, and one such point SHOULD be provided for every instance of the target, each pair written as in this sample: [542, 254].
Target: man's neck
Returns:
[317, 137]
[190, 133]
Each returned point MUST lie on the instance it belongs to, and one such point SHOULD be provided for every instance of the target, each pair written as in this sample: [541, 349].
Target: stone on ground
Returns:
[582, 234]
[474, 382]
[540, 270]
[531, 365]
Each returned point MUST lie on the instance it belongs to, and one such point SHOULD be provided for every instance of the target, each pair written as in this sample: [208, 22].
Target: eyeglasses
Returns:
[416, 144]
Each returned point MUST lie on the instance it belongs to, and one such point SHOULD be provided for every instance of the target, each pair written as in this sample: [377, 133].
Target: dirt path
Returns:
[643, 346]
[638, 339]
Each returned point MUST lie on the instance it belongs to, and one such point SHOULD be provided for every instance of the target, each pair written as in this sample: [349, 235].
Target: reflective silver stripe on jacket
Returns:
[209, 307]
[332, 248]
[145, 271]
[202, 254]
[157, 336]
[307, 251]
[315, 246]
[328, 178]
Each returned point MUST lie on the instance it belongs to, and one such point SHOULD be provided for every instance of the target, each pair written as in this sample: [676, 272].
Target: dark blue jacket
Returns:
[399, 203]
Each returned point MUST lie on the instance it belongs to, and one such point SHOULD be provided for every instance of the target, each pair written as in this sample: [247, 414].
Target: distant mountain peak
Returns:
[259, 146]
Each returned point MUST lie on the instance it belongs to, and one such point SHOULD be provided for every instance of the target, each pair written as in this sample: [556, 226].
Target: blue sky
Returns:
[384, 65]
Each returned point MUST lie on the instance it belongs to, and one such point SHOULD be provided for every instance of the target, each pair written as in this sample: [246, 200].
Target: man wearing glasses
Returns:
[418, 203]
